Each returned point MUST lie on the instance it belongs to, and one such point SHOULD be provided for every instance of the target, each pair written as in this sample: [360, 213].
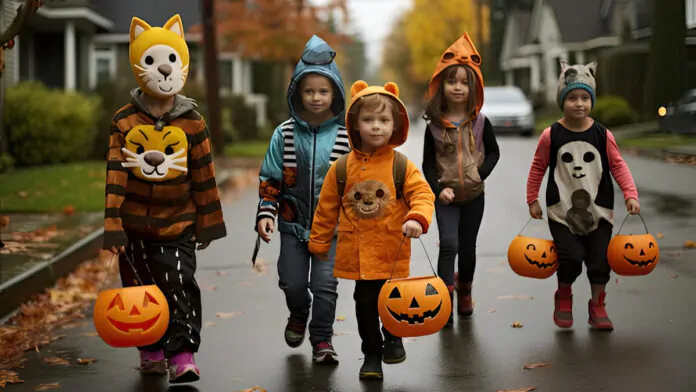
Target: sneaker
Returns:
[295, 332]
[394, 351]
[599, 319]
[153, 362]
[563, 311]
[183, 369]
[372, 368]
[324, 353]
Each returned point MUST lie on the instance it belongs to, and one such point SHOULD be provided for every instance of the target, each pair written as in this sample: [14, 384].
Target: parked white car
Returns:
[508, 110]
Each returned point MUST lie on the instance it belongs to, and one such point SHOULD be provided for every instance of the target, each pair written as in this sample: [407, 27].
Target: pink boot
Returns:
[563, 312]
[599, 319]
[183, 369]
[153, 362]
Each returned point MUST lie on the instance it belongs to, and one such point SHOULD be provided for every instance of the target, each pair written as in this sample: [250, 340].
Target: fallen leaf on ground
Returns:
[69, 210]
[56, 361]
[342, 333]
[85, 361]
[660, 235]
[253, 389]
[674, 253]
[90, 334]
[536, 365]
[4, 221]
[36, 321]
[209, 288]
[22, 195]
[44, 387]
[515, 297]
[223, 315]
[674, 276]
[492, 310]
[260, 267]
[9, 377]
[690, 244]
[516, 324]
[341, 318]
[619, 281]
[222, 273]
[209, 324]
[527, 389]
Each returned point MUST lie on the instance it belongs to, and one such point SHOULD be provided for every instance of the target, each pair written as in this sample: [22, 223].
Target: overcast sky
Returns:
[373, 20]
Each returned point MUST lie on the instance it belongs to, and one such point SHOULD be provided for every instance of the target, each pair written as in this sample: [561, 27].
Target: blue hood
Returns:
[317, 49]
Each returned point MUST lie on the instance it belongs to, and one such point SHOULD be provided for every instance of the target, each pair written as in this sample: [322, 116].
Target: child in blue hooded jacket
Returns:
[299, 155]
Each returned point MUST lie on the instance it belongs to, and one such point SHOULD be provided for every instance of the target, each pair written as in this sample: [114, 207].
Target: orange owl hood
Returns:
[359, 90]
[462, 52]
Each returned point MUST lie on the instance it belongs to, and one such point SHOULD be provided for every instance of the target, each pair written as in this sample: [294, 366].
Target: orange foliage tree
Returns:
[274, 30]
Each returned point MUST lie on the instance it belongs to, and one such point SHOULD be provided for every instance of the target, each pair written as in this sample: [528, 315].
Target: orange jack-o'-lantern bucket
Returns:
[532, 257]
[131, 316]
[633, 254]
[415, 306]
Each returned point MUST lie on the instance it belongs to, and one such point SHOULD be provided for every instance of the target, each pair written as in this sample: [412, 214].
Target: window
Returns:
[690, 14]
[103, 67]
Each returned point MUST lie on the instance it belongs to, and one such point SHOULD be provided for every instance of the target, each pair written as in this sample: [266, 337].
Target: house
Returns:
[76, 44]
[535, 41]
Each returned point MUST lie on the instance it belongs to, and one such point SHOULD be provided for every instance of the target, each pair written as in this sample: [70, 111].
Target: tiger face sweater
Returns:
[160, 181]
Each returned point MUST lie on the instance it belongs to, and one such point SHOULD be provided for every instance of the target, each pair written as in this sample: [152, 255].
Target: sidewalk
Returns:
[42, 248]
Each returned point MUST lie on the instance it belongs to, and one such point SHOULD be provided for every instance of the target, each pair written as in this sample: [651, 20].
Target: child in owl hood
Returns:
[161, 194]
[582, 157]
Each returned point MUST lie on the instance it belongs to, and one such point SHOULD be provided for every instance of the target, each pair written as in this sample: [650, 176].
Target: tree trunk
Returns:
[212, 84]
[665, 79]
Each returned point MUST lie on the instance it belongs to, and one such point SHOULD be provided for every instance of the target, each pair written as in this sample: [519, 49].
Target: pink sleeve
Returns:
[539, 165]
[620, 170]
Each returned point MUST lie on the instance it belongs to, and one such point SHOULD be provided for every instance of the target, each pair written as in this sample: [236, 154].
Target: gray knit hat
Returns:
[576, 77]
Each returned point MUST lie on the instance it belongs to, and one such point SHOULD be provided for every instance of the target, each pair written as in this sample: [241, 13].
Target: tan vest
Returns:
[458, 154]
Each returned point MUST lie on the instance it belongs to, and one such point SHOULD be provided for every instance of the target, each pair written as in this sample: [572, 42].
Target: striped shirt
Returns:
[166, 210]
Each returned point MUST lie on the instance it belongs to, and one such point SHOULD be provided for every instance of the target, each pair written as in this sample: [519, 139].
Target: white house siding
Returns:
[11, 74]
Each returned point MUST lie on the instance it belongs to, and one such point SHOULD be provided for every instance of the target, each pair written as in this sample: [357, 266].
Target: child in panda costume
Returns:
[582, 156]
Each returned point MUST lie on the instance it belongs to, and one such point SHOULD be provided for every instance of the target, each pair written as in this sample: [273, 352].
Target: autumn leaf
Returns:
[536, 365]
[341, 318]
[44, 387]
[492, 311]
[222, 273]
[527, 389]
[253, 389]
[56, 361]
[69, 210]
[85, 361]
[4, 221]
[89, 334]
[516, 324]
[660, 235]
[9, 377]
[228, 315]
[690, 244]
[209, 288]
[520, 297]
[260, 267]
[22, 194]
[209, 324]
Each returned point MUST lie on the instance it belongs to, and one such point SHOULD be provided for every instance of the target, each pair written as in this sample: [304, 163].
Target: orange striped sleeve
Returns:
[116, 182]
[210, 224]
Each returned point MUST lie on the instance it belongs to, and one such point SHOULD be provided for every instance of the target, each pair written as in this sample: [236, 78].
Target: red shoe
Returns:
[563, 311]
[599, 319]
[465, 305]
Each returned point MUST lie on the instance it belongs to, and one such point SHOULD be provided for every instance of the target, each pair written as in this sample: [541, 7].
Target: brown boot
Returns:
[599, 319]
[465, 306]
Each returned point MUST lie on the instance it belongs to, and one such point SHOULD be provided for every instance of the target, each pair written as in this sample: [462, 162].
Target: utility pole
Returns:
[212, 76]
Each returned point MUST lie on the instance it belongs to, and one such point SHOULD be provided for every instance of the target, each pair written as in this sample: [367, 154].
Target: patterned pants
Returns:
[171, 266]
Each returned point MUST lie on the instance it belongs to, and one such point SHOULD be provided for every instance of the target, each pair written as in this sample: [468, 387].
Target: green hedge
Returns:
[46, 126]
[613, 111]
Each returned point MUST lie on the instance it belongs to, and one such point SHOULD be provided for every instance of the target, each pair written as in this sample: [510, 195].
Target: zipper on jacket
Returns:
[460, 141]
[311, 177]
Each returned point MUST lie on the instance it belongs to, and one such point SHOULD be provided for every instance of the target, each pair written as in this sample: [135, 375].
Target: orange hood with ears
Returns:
[462, 52]
[360, 89]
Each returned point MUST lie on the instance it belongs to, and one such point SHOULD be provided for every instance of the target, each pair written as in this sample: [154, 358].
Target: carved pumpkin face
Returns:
[633, 255]
[130, 317]
[414, 306]
[533, 257]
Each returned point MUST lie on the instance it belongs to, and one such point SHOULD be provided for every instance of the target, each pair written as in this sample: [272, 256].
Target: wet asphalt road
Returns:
[652, 348]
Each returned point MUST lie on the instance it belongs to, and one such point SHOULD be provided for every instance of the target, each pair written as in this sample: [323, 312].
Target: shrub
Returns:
[243, 117]
[6, 163]
[46, 126]
[613, 111]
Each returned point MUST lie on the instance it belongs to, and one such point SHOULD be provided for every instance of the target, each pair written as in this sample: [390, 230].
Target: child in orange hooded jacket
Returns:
[373, 224]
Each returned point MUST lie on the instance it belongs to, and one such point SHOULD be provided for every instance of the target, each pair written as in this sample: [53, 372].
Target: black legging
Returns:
[458, 226]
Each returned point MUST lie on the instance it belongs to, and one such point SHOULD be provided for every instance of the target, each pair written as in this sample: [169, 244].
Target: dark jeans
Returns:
[298, 280]
[574, 249]
[171, 266]
[458, 227]
[366, 295]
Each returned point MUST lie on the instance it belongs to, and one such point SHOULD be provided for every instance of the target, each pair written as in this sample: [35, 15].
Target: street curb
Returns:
[21, 288]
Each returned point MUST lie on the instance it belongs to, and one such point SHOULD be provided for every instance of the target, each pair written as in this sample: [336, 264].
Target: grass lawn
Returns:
[52, 188]
[247, 149]
[656, 140]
